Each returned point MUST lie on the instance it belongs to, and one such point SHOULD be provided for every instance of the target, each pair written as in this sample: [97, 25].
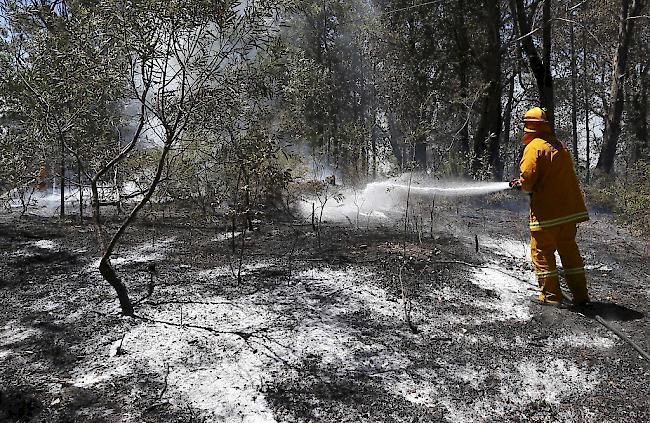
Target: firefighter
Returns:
[41, 176]
[556, 206]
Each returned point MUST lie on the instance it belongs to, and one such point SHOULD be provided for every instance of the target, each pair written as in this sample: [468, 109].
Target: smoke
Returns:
[387, 199]
[190, 64]
[48, 203]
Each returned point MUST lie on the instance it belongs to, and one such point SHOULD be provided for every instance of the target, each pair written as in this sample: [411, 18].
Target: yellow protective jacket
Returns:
[547, 173]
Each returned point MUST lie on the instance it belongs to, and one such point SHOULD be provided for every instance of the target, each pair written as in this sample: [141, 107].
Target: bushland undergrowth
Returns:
[627, 196]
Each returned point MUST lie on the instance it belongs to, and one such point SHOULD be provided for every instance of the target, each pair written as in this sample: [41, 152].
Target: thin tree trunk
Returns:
[540, 68]
[247, 201]
[507, 114]
[616, 97]
[105, 267]
[374, 128]
[488, 132]
[419, 147]
[62, 176]
[517, 146]
[547, 36]
[108, 273]
[462, 49]
[373, 134]
[81, 193]
[640, 117]
[640, 111]
[396, 138]
[574, 94]
[585, 78]
[420, 153]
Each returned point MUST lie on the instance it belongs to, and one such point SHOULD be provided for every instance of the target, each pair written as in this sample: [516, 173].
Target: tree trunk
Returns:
[640, 112]
[374, 128]
[373, 134]
[420, 153]
[616, 97]
[507, 115]
[81, 192]
[640, 126]
[109, 275]
[585, 78]
[107, 271]
[462, 49]
[62, 177]
[105, 268]
[574, 94]
[639, 118]
[396, 138]
[488, 132]
[547, 36]
[541, 69]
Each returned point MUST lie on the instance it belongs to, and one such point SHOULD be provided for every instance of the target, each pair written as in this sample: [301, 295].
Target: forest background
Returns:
[223, 105]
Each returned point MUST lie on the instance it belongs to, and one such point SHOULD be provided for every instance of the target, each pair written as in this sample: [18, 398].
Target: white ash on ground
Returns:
[224, 374]
[318, 332]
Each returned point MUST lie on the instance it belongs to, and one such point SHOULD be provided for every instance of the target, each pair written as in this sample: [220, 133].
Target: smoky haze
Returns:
[387, 199]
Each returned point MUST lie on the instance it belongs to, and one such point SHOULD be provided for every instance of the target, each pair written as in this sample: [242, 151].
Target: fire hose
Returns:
[623, 337]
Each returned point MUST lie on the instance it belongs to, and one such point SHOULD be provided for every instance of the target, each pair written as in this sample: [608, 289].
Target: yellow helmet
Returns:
[532, 117]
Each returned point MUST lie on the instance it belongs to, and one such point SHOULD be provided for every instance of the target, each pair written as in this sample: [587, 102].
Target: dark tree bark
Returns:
[639, 113]
[62, 176]
[639, 116]
[574, 94]
[375, 131]
[549, 88]
[419, 147]
[420, 153]
[81, 191]
[616, 96]
[488, 133]
[374, 134]
[463, 52]
[541, 68]
[585, 77]
[507, 114]
[396, 138]
[105, 268]
[108, 273]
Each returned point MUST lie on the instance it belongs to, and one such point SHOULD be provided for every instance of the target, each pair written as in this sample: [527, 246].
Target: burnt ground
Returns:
[317, 332]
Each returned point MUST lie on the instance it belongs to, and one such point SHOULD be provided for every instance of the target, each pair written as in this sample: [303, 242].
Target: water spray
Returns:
[452, 190]
[380, 200]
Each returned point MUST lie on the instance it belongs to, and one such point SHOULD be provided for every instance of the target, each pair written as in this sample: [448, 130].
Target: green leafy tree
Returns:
[61, 87]
[183, 59]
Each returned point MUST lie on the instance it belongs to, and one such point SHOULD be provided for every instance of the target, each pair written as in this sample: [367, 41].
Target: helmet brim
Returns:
[529, 130]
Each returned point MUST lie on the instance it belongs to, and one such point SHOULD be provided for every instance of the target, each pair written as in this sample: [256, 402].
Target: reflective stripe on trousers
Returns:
[560, 220]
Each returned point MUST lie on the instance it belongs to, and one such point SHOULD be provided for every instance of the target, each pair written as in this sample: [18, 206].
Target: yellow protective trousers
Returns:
[543, 245]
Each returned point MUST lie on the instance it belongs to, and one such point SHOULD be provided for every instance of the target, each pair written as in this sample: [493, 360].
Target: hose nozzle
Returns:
[515, 184]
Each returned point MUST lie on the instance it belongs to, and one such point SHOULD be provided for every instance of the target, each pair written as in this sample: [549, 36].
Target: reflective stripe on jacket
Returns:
[547, 173]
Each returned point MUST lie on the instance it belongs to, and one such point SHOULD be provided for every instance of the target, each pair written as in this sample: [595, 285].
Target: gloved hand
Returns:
[515, 184]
